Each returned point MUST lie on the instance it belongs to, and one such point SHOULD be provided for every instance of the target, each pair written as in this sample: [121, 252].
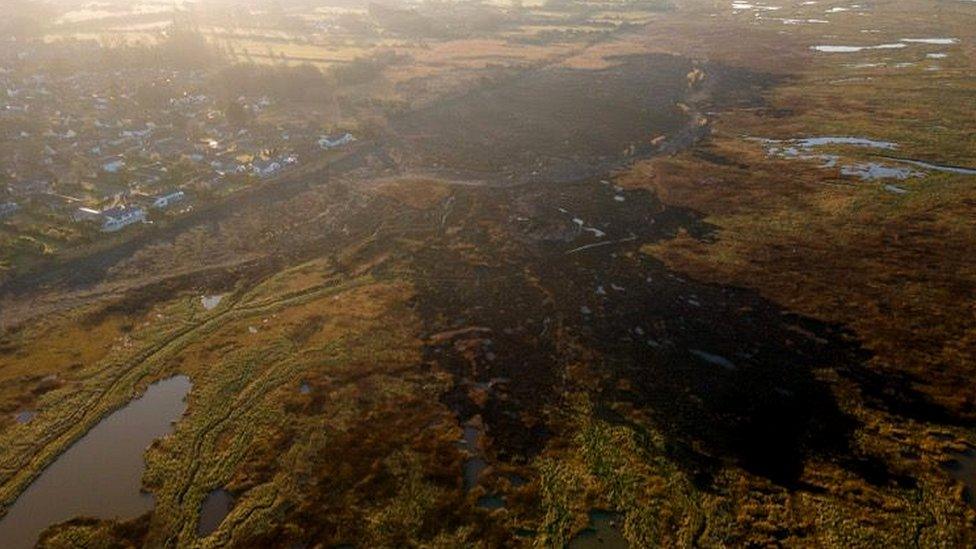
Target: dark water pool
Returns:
[216, 507]
[604, 531]
[101, 474]
[962, 467]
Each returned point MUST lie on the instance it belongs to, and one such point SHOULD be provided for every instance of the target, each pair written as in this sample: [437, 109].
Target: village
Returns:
[85, 152]
[131, 118]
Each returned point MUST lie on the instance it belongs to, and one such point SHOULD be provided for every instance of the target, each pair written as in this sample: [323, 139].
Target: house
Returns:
[265, 168]
[7, 209]
[327, 142]
[121, 216]
[168, 199]
[113, 164]
[136, 134]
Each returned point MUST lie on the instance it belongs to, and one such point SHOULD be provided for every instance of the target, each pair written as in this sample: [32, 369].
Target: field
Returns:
[636, 276]
[791, 227]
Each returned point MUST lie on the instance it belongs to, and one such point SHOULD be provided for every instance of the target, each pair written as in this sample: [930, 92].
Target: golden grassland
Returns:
[351, 341]
[626, 466]
[369, 455]
[84, 393]
[51, 350]
[416, 192]
[370, 421]
[893, 266]
[31, 236]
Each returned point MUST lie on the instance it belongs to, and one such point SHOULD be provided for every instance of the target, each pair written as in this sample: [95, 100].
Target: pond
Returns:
[962, 467]
[603, 531]
[101, 474]
[937, 167]
[475, 464]
[218, 505]
[873, 170]
[491, 502]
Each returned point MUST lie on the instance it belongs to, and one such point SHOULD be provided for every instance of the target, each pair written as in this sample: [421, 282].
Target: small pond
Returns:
[962, 467]
[101, 474]
[604, 531]
[215, 508]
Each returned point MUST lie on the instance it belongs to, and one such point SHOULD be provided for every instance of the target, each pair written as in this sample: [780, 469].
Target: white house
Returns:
[265, 168]
[114, 164]
[121, 216]
[8, 209]
[327, 142]
[167, 199]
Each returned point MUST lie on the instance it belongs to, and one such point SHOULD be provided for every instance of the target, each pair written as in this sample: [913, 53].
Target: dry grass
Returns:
[416, 192]
[893, 267]
[369, 453]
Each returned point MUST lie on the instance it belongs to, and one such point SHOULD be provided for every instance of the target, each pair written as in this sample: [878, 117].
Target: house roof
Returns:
[120, 211]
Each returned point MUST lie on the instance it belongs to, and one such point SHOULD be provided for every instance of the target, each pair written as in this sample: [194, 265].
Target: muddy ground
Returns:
[729, 376]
